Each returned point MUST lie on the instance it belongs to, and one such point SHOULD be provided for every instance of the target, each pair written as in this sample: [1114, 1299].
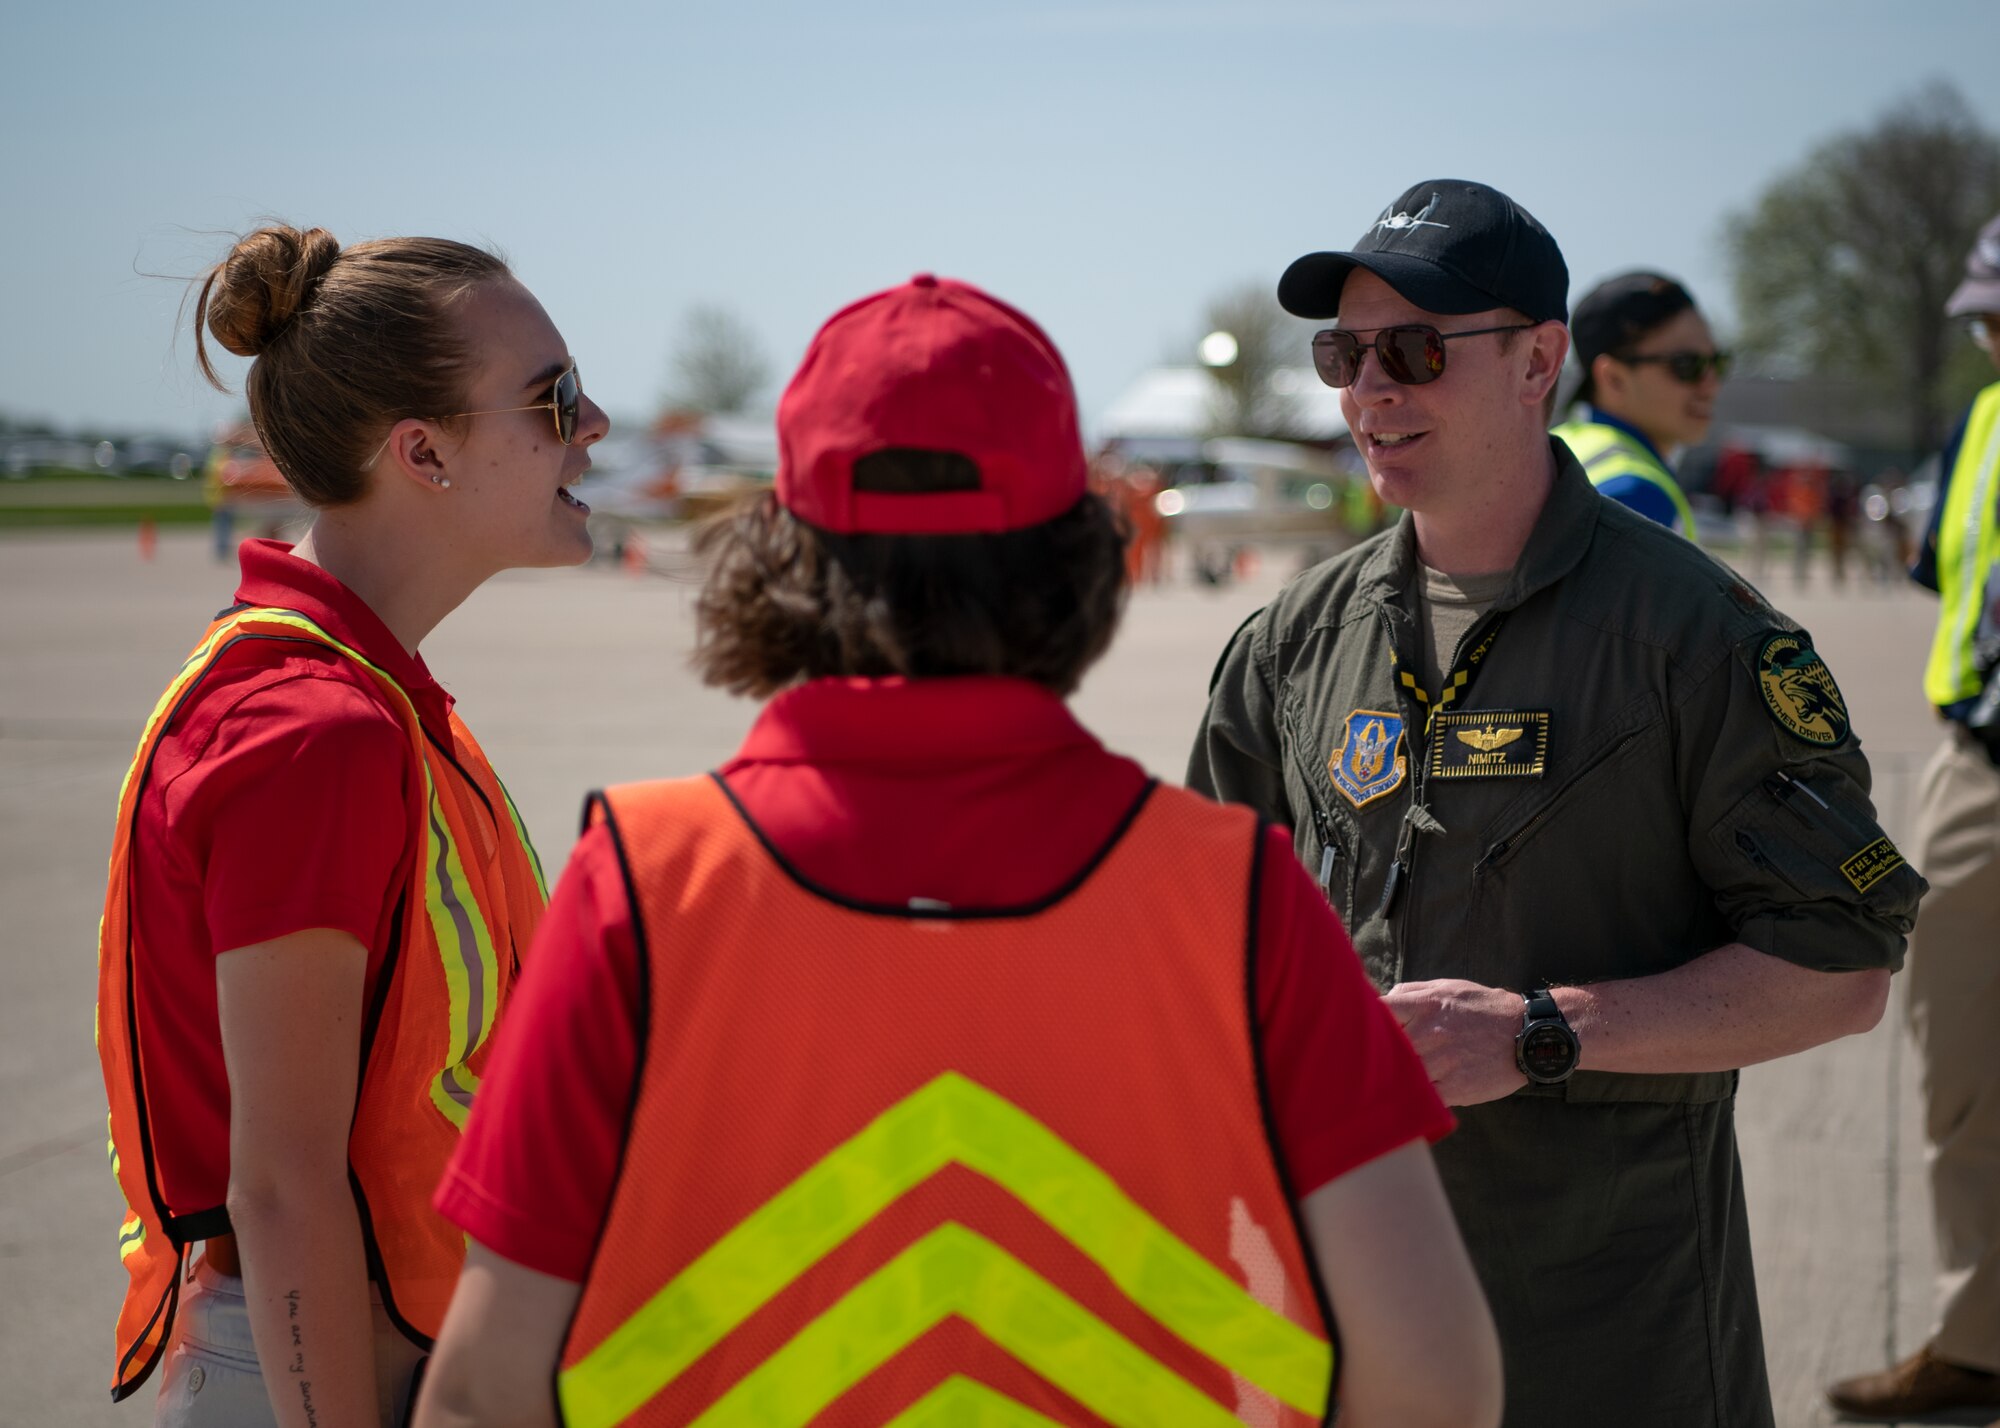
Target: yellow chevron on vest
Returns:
[961, 1402]
[951, 1271]
[1968, 547]
[1606, 453]
[951, 1120]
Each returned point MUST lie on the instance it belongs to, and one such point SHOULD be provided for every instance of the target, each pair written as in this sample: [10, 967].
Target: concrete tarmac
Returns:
[576, 679]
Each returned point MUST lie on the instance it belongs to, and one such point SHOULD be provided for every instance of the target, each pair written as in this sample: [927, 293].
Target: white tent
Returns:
[1176, 402]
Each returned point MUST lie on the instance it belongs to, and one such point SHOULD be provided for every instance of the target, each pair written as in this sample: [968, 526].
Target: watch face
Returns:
[1548, 1053]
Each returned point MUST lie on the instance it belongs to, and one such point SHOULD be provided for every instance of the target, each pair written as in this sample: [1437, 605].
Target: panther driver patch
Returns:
[1799, 691]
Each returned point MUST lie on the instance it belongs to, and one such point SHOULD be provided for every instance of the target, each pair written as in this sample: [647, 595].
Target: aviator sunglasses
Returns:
[1688, 367]
[1411, 354]
[565, 401]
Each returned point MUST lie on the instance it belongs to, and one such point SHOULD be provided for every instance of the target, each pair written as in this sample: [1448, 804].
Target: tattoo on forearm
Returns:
[298, 1364]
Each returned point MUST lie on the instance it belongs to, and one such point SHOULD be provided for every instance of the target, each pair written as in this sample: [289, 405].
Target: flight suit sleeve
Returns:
[1238, 757]
[1780, 826]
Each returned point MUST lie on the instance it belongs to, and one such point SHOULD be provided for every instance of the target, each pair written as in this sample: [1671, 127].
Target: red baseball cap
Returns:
[969, 395]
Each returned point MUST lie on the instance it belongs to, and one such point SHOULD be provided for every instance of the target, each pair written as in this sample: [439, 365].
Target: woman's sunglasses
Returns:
[1688, 367]
[1412, 354]
[565, 402]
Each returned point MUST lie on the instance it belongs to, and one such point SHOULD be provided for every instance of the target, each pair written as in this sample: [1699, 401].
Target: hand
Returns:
[1465, 1034]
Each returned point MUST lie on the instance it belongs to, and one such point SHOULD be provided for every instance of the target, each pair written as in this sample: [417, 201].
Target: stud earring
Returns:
[444, 481]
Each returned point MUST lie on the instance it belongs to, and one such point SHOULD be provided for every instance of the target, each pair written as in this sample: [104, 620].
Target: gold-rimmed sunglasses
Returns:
[566, 401]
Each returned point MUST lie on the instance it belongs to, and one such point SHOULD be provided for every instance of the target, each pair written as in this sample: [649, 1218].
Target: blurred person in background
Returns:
[929, 1062]
[1953, 978]
[319, 891]
[1650, 374]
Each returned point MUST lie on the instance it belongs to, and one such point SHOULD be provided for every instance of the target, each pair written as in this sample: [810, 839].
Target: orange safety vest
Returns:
[1006, 1167]
[474, 896]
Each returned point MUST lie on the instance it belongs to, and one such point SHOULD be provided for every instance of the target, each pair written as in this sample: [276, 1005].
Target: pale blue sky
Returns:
[1106, 166]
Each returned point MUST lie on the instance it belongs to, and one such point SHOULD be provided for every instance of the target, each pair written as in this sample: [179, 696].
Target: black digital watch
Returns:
[1546, 1049]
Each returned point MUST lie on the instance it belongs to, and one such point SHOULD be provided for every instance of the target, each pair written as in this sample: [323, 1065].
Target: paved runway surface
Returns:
[574, 679]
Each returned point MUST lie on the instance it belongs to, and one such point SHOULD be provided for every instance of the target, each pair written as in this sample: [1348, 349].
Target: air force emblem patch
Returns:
[1370, 762]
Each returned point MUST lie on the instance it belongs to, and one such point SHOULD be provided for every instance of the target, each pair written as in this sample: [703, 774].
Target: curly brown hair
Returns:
[785, 601]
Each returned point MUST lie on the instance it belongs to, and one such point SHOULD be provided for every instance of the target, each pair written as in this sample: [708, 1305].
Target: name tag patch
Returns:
[1872, 864]
[1369, 764]
[1490, 743]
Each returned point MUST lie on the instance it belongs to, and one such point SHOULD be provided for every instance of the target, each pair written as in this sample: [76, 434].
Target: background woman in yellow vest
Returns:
[319, 892]
[1650, 373]
[1952, 979]
[929, 1063]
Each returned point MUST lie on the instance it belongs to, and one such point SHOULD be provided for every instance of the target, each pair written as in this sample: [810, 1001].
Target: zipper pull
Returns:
[1420, 818]
[1392, 887]
[1327, 855]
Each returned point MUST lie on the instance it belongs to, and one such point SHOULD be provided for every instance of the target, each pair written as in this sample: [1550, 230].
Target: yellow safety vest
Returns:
[1606, 453]
[1968, 547]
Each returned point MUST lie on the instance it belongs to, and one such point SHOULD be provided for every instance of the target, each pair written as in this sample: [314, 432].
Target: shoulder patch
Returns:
[1799, 691]
[1872, 864]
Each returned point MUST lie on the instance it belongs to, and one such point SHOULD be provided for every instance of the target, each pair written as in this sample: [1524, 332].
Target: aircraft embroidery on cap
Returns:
[1397, 222]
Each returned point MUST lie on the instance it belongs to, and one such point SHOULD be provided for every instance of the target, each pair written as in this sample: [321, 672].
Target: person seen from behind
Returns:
[1650, 373]
[319, 890]
[1954, 991]
[927, 1061]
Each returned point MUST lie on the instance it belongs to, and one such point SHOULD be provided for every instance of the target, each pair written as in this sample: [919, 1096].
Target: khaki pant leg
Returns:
[1953, 971]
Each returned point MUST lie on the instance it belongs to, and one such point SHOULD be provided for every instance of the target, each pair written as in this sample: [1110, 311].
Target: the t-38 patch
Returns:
[1872, 864]
[1489, 743]
[1799, 691]
[1369, 763]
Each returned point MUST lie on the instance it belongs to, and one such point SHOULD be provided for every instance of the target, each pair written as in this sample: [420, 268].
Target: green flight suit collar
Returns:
[1555, 547]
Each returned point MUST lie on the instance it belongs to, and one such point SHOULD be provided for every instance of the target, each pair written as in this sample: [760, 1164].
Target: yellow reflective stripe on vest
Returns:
[951, 1271]
[131, 1235]
[1605, 452]
[950, 1120]
[471, 973]
[961, 1402]
[1968, 545]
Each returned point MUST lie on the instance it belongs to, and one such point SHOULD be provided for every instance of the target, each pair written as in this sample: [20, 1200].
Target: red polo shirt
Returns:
[975, 792]
[276, 803]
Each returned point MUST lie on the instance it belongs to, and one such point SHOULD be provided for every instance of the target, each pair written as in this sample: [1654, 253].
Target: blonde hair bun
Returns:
[269, 277]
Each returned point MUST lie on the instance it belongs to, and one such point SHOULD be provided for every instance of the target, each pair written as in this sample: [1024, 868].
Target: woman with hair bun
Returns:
[319, 891]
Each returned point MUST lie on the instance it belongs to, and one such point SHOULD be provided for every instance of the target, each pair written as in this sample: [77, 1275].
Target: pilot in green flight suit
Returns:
[1593, 811]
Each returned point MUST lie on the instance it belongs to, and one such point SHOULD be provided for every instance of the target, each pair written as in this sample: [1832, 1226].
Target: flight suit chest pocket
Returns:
[1592, 776]
[1327, 841]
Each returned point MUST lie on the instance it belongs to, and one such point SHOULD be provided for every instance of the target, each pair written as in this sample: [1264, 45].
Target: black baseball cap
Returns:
[1449, 246]
[1616, 314]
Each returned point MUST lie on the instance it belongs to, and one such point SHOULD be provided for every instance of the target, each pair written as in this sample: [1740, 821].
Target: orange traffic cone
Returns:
[149, 538]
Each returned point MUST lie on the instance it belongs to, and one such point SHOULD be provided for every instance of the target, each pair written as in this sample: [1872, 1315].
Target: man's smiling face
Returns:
[1426, 445]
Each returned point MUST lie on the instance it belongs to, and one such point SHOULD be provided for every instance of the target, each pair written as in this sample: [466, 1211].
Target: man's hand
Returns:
[1465, 1033]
